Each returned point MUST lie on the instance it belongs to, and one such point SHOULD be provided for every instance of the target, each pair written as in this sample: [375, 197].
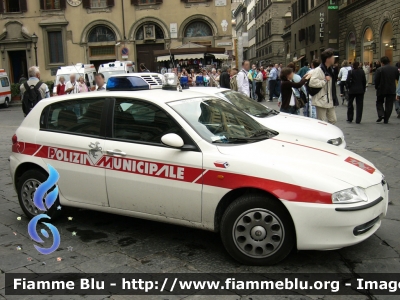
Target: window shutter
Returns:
[63, 4]
[135, 2]
[86, 4]
[110, 3]
[23, 6]
[1, 7]
[41, 4]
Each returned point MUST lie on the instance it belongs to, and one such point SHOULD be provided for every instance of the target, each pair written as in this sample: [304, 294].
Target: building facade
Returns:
[272, 16]
[369, 29]
[314, 28]
[251, 30]
[66, 32]
[241, 41]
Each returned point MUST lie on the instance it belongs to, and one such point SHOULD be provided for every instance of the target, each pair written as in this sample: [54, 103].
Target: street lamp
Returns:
[35, 38]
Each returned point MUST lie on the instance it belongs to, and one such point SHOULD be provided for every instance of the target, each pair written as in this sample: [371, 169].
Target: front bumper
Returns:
[327, 226]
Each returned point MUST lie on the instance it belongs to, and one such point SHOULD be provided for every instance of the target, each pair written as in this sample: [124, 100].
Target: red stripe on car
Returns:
[274, 139]
[181, 173]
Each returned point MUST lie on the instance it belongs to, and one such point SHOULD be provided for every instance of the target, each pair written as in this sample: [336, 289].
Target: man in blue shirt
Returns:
[253, 75]
[273, 77]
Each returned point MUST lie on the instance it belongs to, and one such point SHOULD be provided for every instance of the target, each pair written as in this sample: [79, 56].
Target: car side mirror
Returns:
[173, 140]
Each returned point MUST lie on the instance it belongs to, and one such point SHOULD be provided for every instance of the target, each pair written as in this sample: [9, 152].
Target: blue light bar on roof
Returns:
[127, 84]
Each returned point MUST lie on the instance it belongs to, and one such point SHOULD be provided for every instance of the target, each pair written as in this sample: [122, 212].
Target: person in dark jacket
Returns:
[356, 83]
[225, 79]
[385, 85]
[288, 104]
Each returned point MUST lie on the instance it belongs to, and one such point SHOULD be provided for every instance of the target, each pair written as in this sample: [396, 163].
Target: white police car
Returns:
[282, 122]
[198, 161]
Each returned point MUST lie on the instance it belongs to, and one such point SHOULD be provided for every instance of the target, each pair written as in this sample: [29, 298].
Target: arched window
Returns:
[198, 29]
[351, 47]
[140, 32]
[386, 40]
[368, 39]
[101, 34]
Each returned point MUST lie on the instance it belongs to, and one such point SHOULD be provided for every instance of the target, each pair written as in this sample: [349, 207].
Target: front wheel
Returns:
[257, 230]
[26, 188]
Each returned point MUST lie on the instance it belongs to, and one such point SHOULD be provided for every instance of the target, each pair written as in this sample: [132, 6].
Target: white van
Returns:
[5, 90]
[116, 68]
[86, 70]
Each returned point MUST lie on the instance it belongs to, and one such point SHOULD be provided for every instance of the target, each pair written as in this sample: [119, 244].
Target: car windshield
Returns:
[247, 105]
[218, 121]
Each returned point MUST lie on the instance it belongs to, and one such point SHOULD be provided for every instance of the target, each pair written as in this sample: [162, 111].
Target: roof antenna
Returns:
[178, 87]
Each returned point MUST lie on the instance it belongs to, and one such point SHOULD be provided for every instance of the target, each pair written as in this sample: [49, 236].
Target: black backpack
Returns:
[31, 97]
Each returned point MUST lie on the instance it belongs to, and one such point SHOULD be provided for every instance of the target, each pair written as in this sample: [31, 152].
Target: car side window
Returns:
[5, 82]
[141, 121]
[81, 116]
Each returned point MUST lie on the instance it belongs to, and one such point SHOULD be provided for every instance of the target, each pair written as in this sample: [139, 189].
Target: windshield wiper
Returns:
[266, 114]
[234, 140]
[263, 132]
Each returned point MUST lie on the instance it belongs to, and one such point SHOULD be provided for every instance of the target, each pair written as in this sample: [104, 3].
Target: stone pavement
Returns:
[110, 243]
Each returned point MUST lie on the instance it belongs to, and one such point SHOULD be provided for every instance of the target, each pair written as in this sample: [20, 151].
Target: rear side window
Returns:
[4, 82]
[81, 116]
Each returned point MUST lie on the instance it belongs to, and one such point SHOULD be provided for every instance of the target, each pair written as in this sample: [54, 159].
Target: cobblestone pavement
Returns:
[109, 243]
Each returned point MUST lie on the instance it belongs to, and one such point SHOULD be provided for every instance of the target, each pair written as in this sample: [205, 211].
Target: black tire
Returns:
[25, 188]
[270, 234]
[6, 103]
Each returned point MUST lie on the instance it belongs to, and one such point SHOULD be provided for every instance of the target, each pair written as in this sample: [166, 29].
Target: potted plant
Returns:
[15, 92]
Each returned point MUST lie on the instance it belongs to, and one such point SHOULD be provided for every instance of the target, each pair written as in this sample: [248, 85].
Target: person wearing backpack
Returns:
[33, 90]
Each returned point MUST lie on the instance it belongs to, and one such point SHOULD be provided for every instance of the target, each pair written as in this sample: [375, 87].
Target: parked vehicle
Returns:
[115, 68]
[5, 89]
[196, 160]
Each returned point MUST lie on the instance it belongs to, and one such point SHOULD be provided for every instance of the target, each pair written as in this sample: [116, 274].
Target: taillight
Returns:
[14, 139]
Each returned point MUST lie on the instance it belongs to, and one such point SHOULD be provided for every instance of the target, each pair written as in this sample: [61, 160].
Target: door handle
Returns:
[116, 152]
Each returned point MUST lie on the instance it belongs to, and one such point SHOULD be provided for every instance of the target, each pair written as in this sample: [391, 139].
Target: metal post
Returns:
[36, 60]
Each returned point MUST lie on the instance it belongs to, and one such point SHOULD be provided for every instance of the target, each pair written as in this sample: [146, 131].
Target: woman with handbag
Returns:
[357, 84]
[290, 103]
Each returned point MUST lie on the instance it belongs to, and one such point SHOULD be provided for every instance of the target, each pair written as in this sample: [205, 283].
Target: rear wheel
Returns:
[6, 103]
[26, 187]
[257, 230]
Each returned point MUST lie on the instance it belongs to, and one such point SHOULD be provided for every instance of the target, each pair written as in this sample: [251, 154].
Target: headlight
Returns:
[336, 142]
[352, 195]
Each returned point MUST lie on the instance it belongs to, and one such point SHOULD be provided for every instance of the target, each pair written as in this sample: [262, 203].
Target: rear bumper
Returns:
[328, 226]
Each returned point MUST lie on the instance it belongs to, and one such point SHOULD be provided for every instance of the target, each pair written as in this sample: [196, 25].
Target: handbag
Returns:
[299, 103]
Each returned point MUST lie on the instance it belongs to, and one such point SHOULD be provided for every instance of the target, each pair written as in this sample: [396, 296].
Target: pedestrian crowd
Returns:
[313, 87]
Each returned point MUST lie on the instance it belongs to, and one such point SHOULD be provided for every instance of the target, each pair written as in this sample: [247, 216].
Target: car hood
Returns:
[302, 126]
[300, 158]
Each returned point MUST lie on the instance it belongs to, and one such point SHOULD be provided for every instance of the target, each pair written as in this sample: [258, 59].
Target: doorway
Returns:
[144, 54]
[18, 65]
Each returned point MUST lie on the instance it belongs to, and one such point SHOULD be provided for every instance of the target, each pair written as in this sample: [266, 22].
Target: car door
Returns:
[73, 146]
[142, 174]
